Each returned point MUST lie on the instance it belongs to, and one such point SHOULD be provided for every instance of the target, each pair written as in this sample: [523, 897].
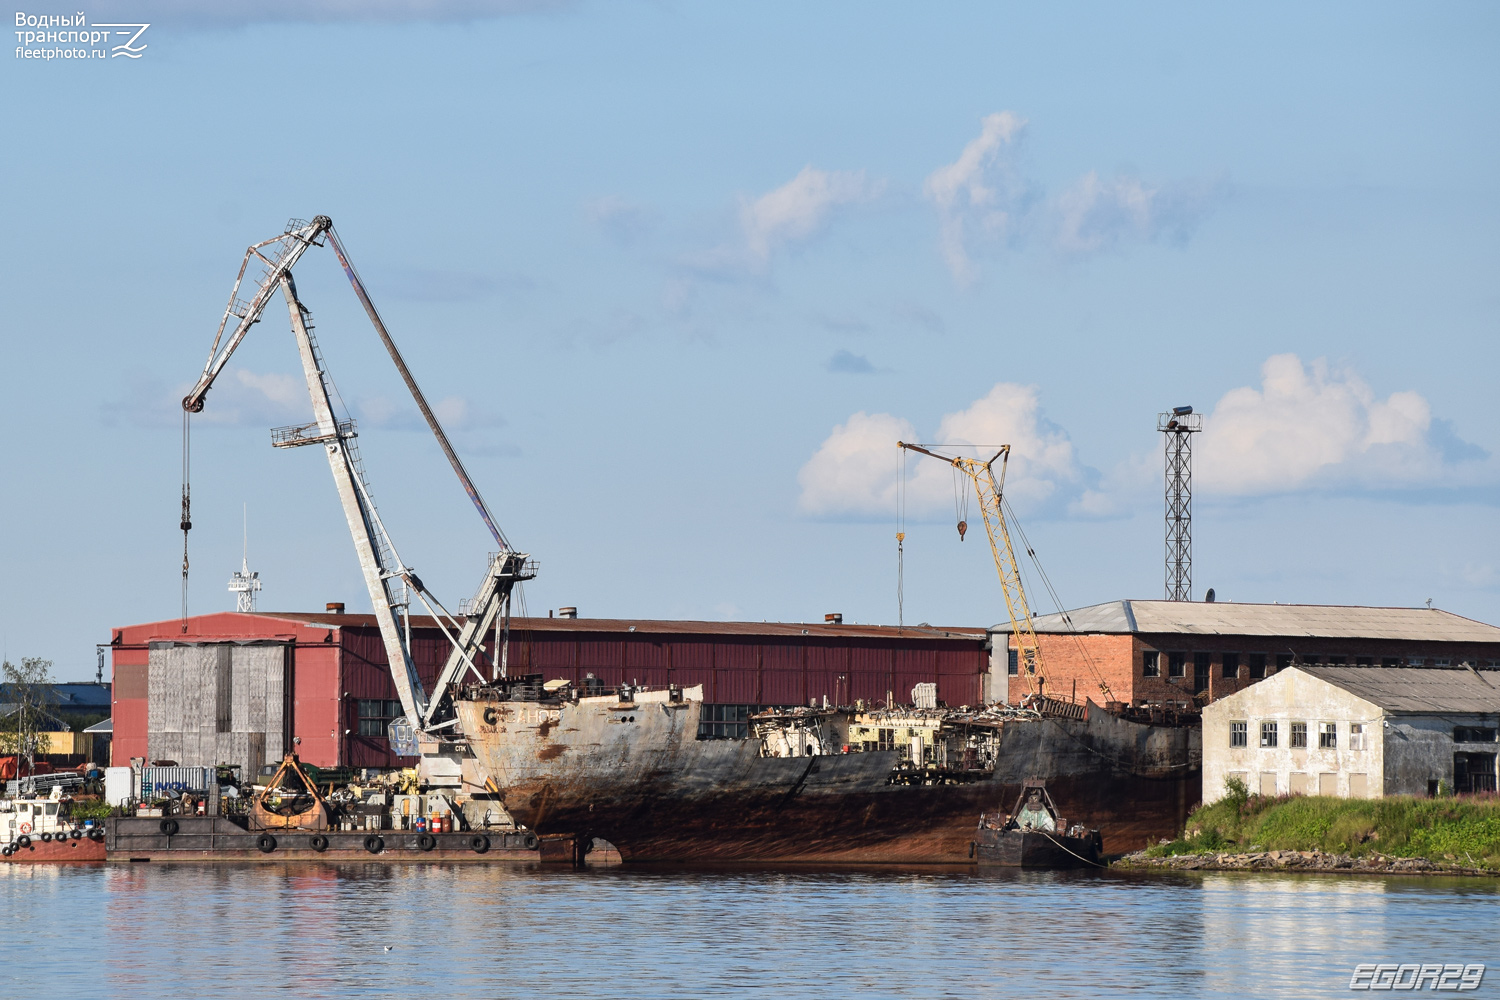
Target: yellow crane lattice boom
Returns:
[990, 490]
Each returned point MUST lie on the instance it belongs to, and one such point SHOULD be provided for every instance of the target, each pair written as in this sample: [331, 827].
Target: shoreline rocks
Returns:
[1282, 861]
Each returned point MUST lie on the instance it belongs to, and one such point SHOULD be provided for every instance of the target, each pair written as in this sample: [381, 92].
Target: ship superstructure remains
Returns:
[864, 785]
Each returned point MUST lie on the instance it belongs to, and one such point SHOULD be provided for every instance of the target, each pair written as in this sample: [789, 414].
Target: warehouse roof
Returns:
[657, 627]
[1308, 620]
[1417, 689]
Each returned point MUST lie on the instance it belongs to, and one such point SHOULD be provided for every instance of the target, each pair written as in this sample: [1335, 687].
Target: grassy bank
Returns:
[1463, 830]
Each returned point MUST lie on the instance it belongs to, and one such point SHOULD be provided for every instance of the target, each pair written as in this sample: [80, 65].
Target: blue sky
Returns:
[680, 274]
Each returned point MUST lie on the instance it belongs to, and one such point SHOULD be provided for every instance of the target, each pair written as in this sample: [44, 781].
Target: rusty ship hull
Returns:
[635, 774]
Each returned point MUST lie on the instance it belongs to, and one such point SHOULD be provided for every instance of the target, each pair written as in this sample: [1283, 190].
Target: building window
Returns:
[1442, 661]
[1313, 660]
[1257, 664]
[1356, 737]
[1150, 663]
[1268, 734]
[1231, 665]
[377, 714]
[1364, 661]
[1239, 734]
[1473, 734]
[1328, 736]
[1390, 661]
[1012, 662]
[1337, 661]
[1283, 660]
[1176, 664]
[1299, 735]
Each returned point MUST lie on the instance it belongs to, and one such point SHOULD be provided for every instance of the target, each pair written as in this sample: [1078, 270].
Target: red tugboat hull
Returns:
[38, 851]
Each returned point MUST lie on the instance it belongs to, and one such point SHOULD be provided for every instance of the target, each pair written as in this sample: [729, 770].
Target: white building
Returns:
[1360, 732]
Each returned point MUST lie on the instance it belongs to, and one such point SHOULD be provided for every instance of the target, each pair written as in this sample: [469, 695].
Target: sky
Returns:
[678, 277]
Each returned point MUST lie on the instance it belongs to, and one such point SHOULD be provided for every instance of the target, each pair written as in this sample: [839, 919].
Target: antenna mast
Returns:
[245, 583]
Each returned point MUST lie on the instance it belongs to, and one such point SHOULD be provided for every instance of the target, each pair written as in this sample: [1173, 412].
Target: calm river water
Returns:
[155, 930]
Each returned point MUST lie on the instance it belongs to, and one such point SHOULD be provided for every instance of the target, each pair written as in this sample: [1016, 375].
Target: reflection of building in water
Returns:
[1289, 931]
[1356, 732]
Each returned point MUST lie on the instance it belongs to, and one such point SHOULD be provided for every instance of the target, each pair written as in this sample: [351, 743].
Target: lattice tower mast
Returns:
[1179, 425]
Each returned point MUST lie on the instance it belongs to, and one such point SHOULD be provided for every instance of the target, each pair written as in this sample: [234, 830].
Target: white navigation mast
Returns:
[244, 584]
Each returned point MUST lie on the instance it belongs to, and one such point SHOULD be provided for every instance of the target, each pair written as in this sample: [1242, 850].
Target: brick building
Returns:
[245, 688]
[1182, 653]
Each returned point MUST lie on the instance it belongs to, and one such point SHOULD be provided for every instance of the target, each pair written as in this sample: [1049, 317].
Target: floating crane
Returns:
[990, 492]
[391, 582]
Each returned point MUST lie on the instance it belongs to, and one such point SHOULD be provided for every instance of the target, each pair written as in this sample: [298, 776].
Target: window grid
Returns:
[1239, 734]
[377, 714]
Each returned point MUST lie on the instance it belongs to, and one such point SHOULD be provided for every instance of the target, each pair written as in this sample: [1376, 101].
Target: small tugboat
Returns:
[43, 830]
[1035, 836]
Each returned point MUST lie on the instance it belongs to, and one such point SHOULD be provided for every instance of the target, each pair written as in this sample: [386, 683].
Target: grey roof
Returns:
[107, 726]
[1416, 689]
[1307, 620]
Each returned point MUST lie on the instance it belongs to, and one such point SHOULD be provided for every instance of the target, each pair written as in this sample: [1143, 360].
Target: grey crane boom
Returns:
[389, 580]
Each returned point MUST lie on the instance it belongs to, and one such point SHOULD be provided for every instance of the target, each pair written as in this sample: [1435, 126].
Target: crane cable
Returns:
[1057, 603]
[187, 516]
[900, 537]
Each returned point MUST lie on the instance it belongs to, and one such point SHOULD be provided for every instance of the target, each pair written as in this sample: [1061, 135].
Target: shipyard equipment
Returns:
[282, 807]
[390, 580]
[990, 492]
[1179, 424]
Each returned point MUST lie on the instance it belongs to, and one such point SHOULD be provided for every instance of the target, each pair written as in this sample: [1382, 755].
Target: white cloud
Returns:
[982, 197]
[1314, 426]
[798, 209]
[965, 191]
[855, 470]
[623, 221]
[1095, 214]
[234, 12]
[243, 397]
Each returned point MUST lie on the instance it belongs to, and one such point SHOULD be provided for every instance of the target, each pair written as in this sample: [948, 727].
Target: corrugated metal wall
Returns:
[218, 703]
[366, 676]
[751, 671]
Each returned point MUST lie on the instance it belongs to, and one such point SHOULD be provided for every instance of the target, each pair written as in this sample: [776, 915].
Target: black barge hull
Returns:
[197, 838]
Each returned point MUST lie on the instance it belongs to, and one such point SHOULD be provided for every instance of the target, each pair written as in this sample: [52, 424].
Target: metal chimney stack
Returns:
[1179, 425]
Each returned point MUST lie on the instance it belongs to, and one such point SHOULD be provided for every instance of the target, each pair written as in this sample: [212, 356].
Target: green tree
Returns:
[27, 710]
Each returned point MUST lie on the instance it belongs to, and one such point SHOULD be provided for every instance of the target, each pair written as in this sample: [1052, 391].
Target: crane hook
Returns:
[963, 526]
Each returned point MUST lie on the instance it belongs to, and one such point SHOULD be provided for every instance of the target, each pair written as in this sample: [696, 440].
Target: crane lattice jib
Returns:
[990, 492]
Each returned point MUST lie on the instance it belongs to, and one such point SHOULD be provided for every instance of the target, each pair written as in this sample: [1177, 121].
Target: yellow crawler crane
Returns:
[990, 491]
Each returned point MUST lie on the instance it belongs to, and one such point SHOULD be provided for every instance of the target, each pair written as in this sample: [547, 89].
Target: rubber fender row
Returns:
[25, 840]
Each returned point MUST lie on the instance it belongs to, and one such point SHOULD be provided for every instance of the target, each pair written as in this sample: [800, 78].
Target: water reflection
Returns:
[491, 931]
